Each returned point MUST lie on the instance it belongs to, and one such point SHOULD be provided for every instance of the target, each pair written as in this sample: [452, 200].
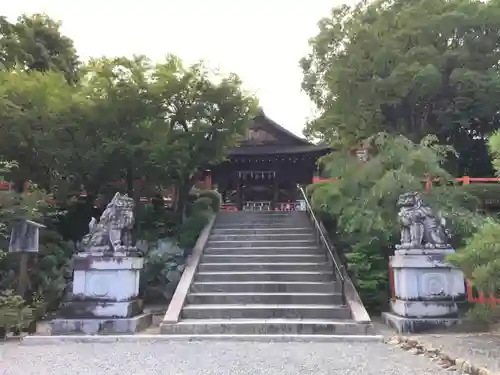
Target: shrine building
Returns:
[262, 173]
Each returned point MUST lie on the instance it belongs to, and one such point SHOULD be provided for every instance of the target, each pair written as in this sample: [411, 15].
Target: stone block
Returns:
[104, 297]
[424, 309]
[62, 326]
[101, 309]
[415, 325]
[426, 277]
[107, 278]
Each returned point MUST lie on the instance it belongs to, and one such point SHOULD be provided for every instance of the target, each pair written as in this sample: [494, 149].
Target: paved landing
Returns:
[212, 358]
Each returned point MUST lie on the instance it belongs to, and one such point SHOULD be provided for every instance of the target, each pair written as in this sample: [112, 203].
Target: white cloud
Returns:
[260, 40]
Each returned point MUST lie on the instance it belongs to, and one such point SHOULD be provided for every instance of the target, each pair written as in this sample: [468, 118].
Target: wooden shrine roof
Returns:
[275, 150]
[266, 137]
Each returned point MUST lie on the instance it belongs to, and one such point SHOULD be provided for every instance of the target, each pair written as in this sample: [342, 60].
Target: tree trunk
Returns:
[182, 193]
[137, 199]
[181, 197]
[130, 181]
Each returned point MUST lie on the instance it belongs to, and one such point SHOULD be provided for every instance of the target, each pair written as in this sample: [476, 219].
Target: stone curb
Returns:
[44, 340]
[443, 360]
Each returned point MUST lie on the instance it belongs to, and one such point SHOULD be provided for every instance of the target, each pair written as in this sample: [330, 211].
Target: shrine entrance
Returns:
[257, 190]
[263, 171]
[260, 190]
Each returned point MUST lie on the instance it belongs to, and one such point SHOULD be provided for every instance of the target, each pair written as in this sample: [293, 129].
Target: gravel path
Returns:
[482, 349]
[217, 358]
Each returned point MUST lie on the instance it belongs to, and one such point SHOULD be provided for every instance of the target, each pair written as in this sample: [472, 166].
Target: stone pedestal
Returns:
[104, 298]
[426, 290]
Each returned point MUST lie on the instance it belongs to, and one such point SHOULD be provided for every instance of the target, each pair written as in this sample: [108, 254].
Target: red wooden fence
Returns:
[480, 297]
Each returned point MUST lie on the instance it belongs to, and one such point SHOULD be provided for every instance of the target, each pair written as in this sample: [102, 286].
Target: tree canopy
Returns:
[120, 118]
[34, 42]
[70, 127]
[408, 67]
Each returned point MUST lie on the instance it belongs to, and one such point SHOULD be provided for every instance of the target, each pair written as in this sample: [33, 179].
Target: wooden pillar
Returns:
[208, 180]
[276, 190]
[428, 185]
[239, 200]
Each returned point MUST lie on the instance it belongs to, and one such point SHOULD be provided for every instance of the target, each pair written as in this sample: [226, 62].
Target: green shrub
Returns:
[479, 259]
[13, 311]
[51, 269]
[153, 223]
[199, 214]
[214, 196]
[483, 314]
[163, 266]
[487, 193]
[191, 228]
[202, 204]
[361, 212]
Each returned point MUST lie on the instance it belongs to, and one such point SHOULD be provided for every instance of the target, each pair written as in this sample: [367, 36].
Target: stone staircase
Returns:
[261, 274]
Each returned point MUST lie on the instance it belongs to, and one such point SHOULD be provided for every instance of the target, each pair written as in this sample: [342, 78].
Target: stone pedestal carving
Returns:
[104, 298]
[426, 288]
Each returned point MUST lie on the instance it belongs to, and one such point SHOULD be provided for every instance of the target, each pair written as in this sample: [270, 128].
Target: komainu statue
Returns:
[113, 232]
[421, 227]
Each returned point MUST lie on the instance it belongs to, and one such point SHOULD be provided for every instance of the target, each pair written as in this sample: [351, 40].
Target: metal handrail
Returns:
[325, 241]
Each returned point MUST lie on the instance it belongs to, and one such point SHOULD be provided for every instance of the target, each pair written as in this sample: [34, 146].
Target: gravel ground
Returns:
[482, 349]
[204, 358]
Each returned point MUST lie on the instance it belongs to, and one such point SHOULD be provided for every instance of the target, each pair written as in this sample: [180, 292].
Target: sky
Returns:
[260, 40]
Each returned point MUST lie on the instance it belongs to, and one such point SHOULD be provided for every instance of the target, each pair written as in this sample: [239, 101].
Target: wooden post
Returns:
[208, 180]
[428, 185]
[275, 192]
[23, 280]
[239, 202]
[24, 239]
[470, 291]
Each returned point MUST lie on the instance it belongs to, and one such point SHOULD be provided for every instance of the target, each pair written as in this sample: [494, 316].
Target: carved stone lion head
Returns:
[410, 199]
[122, 202]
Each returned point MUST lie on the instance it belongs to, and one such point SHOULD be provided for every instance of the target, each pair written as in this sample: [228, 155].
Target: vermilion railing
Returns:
[480, 297]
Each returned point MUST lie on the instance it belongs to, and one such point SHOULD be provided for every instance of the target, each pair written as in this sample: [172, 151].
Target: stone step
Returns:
[267, 326]
[263, 237]
[264, 287]
[258, 226]
[295, 266]
[263, 258]
[262, 218]
[263, 230]
[241, 222]
[248, 214]
[299, 276]
[258, 216]
[266, 311]
[265, 298]
[264, 250]
[260, 243]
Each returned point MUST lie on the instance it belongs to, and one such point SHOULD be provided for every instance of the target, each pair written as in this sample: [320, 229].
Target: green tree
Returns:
[35, 42]
[202, 115]
[480, 257]
[412, 68]
[118, 129]
[33, 107]
[361, 205]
